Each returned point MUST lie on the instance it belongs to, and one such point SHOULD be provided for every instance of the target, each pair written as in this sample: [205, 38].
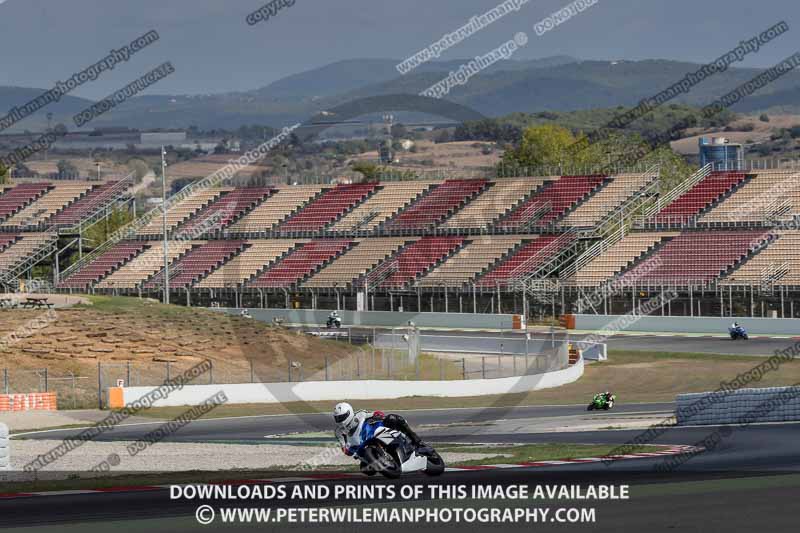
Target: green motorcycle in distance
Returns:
[602, 401]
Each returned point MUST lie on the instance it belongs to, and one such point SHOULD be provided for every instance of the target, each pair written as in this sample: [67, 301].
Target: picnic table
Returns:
[36, 302]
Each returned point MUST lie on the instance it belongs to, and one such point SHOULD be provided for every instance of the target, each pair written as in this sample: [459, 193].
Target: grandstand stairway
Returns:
[524, 261]
[24, 253]
[83, 210]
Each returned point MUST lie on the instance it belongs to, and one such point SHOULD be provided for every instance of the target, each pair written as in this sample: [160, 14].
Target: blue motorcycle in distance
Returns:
[737, 333]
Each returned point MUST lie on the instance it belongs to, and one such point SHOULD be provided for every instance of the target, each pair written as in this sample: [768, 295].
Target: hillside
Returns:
[550, 84]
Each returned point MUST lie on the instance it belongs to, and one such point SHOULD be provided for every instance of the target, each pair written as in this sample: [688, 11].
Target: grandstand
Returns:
[697, 199]
[37, 214]
[550, 239]
[551, 203]
[37, 217]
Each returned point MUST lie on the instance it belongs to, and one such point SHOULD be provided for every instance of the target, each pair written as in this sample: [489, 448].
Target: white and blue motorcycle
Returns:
[390, 452]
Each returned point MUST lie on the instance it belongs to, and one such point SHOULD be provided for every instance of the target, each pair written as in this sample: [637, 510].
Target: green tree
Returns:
[552, 145]
[3, 174]
[99, 233]
[370, 171]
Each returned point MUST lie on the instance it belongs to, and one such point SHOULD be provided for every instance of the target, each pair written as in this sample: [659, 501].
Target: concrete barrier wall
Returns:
[5, 449]
[743, 406]
[489, 344]
[594, 352]
[381, 318]
[687, 324]
[334, 391]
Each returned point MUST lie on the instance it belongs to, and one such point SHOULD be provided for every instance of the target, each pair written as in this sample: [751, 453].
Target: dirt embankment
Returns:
[154, 340]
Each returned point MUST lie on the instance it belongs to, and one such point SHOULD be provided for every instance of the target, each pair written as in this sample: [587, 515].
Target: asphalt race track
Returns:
[712, 344]
[756, 467]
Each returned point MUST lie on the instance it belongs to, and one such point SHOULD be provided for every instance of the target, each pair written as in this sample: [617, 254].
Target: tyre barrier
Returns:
[742, 406]
[5, 449]
[36, 401]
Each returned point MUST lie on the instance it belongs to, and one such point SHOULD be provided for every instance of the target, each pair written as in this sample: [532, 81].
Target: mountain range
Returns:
[558, 83]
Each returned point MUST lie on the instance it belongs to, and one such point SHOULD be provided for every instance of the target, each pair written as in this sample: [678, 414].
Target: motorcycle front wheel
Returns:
[382, 461]
[591, 407]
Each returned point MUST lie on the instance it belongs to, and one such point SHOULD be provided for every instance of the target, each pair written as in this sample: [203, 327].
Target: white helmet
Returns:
[343, 415]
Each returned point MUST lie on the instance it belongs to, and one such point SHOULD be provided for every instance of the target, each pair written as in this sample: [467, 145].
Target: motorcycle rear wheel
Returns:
[435, 465]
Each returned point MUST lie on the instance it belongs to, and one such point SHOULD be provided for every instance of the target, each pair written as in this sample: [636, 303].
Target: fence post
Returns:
[500, 364]
[128, 374]
[326, 368]
[463, 368]
[169, 375]
[5, 380]
[46, 384]
[99, 385]
[252, 372]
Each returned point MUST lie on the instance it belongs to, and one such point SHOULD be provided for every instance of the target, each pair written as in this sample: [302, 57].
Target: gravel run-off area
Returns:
[179, 457]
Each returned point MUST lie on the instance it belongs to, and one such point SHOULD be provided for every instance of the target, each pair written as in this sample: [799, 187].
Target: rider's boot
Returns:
[399, 423]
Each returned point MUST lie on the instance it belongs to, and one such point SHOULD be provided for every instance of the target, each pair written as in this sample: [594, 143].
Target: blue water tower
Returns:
[721, 153]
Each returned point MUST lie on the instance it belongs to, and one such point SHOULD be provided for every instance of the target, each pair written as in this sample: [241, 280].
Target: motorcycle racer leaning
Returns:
[349, 423]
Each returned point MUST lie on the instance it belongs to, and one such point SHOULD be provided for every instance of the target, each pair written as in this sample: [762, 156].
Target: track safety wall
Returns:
[5, 448]
[688, 324]
[334, 391]
[742, 406]
[311, 317]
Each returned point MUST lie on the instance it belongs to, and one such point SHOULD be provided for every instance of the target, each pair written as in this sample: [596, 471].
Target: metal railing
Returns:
[680, 189]
[594, 251]
[529, 269]
[111, 196]
[38, 254]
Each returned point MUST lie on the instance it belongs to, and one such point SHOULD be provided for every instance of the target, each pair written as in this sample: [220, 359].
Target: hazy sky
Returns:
[213, 49]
